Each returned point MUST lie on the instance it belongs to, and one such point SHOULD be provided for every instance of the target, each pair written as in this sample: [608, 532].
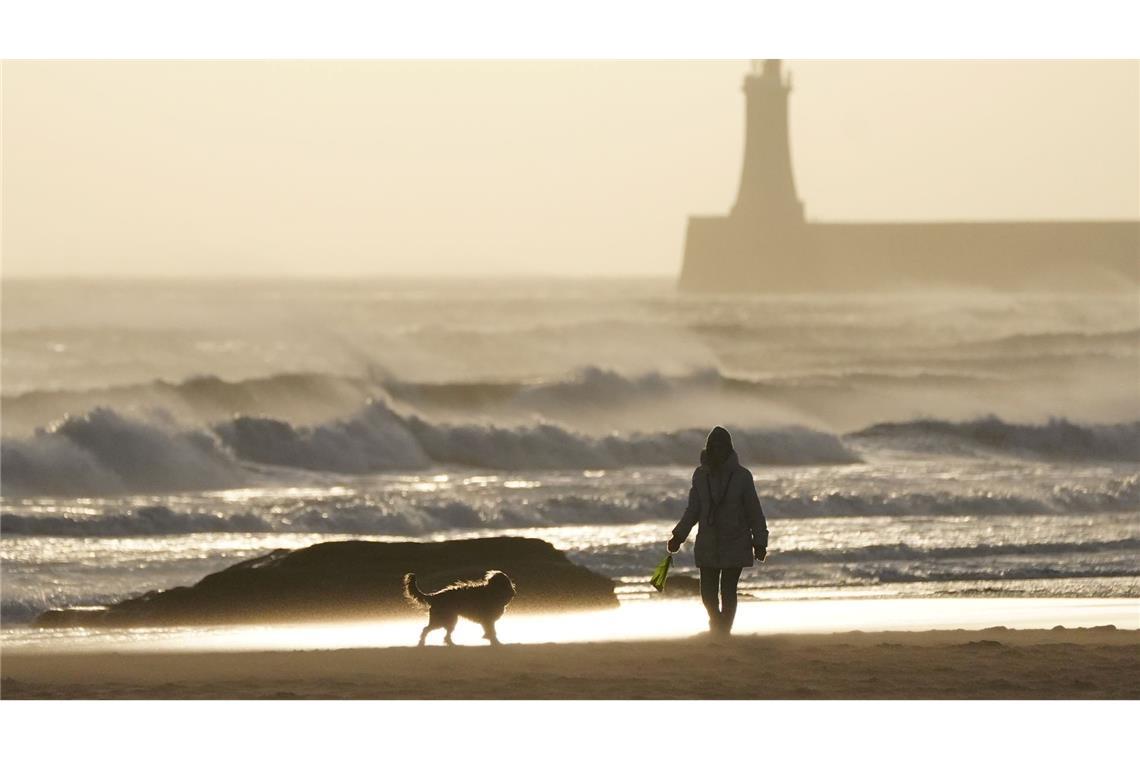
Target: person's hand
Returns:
[761, 553]
[673, 545]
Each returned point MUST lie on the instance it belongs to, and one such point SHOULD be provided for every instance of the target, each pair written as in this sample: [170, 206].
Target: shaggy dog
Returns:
[482, 601]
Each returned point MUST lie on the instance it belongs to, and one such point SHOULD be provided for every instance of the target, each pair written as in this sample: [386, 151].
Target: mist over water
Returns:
[935, 442]
[629, 354]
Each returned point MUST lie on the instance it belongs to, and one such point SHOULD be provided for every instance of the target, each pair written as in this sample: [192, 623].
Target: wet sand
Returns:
[993, 663]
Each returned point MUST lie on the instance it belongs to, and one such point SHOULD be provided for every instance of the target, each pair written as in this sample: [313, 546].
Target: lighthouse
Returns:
[767, 188]
[764, 236]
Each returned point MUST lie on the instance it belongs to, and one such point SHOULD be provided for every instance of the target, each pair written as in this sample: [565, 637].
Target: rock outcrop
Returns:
[351, 580]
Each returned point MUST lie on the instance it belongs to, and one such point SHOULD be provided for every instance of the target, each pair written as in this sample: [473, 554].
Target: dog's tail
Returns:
[412, 592]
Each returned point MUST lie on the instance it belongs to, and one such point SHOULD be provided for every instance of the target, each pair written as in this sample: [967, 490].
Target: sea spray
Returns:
[105, 451]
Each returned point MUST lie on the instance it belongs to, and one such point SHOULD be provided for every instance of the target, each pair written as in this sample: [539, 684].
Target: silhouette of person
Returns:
[732, 530]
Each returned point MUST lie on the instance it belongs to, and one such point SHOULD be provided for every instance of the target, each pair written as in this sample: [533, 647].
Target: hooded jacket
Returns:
[724, 504]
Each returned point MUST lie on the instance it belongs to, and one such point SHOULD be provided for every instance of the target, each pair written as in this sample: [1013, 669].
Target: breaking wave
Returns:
[374, 440]
[107, 452]
[1057, 439]
[378, 438]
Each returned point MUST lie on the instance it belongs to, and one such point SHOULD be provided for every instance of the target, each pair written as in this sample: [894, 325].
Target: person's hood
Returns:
[719, 435]
[718, 438]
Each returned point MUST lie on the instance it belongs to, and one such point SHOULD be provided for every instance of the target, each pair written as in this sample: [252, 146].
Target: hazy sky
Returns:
[585, 168]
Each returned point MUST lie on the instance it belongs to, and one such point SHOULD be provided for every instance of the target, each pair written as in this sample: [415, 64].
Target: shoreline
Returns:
[653, 618]
[993, 663]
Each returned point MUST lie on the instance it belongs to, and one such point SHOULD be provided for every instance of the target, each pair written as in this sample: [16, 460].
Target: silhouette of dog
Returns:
[482, 601]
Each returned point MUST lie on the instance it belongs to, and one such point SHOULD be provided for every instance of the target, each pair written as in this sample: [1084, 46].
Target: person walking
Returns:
[732, 530]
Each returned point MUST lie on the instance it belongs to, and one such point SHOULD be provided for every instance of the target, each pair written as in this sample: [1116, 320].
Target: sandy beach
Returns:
[993, 663]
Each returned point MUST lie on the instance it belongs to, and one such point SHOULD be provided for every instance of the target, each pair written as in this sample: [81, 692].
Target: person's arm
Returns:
[756, 521]
[688, 520]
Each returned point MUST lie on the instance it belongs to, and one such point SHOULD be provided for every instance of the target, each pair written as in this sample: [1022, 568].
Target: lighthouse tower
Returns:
[767, 188]
[764, 236]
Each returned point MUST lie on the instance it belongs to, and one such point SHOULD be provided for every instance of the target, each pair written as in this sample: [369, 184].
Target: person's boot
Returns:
[718, 629]
[726, 620]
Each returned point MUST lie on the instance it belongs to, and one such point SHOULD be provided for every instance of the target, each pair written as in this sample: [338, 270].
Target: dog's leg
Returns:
[449, 626]
[434, 621]
[489, 633]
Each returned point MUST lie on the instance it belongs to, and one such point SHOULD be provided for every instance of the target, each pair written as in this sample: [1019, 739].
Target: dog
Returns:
[482, 601]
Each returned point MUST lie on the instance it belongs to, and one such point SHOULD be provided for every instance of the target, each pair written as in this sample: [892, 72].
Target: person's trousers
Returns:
[718, 592]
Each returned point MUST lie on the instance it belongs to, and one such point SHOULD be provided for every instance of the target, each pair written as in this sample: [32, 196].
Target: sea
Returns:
[925, 444]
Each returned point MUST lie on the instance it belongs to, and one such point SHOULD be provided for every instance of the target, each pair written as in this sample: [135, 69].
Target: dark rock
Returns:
[345, 580]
